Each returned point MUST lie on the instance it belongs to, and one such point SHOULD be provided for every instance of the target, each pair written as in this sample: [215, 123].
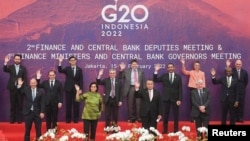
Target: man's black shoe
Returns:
[139, 120]
[131, 121]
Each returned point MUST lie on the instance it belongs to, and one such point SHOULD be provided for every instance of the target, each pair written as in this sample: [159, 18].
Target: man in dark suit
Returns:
[73, 76]
[171, 96]
[241, 76]
[33, 107]
[53, 97]
[16, 71]
[131, 76]
[229, 97]
[200, 98]
[150, 111]
[112, 96]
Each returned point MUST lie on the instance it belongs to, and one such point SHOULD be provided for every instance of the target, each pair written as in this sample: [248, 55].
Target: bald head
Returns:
[238, 64]
[33, 83]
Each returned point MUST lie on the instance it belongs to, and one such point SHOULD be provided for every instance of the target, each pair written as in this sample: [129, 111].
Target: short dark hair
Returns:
[93, 83]
[72, 57]
[196, 61]
[134, 60]
[18, 55]
[51, 71]
[170, 64]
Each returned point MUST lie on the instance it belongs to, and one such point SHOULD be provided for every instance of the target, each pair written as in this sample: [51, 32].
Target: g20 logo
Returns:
[127, 16]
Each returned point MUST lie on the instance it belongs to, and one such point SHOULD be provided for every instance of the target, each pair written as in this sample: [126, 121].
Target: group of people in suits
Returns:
[145, 103]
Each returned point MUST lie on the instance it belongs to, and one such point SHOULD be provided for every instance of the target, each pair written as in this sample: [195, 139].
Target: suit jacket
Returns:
[154, 106]
[126, 75]
[195, 112]
[231, 92]
[243, 81]
[71, 80]
[107, 89]
[13, 76]
[52, 95]
[171, 91]
[38, 103]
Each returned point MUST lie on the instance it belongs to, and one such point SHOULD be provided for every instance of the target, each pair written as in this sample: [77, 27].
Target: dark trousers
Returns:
[227, 106]
[51, 112]
[149, 121]
[29, 119]
[16, 104]
[190, 103]
[241, 106]
[111, 111]
[71, 103]
[166, 110]
[201, 121]
[89, 127]
[133, 104]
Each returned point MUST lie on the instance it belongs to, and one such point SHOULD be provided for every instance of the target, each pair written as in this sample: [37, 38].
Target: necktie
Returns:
[112, 88]
[17, 69]
[33, 94]
[135, 76]
[200, 94]
[150, 95]
[238, 74]
[74, 71]
[170, 77]
[228, 81]
[51, 84]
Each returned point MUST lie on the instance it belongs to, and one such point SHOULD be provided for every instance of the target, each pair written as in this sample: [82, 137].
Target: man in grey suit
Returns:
[171, 96]
[112, 97]
[131, 76]
[200, 98]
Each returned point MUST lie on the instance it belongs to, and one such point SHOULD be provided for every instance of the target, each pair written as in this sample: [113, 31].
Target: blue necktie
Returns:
[200, 95]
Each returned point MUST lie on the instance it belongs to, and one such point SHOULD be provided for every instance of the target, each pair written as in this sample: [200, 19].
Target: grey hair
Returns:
[199, 81]
[112, 70]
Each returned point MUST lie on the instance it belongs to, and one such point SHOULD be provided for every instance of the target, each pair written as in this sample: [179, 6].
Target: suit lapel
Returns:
[147, 95]
[30, 93]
